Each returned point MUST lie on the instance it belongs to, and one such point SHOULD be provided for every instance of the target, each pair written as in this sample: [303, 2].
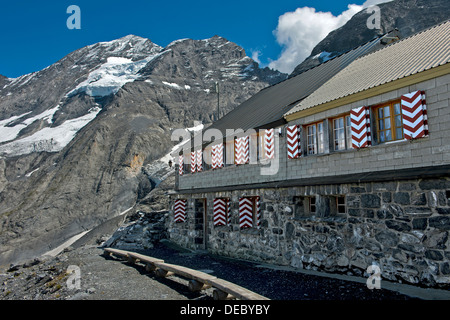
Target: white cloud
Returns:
[255, 56]
[299, 31]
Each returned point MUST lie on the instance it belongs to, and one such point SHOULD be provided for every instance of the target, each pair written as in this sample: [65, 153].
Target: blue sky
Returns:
[34, 33]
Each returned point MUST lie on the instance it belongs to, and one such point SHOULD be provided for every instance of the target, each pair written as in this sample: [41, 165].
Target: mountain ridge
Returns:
[74, 161]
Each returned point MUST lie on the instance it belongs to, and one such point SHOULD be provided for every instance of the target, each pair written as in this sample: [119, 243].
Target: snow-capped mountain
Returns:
[84, 139]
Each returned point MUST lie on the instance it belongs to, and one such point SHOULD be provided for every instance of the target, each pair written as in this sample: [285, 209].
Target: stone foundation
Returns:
[401, 226]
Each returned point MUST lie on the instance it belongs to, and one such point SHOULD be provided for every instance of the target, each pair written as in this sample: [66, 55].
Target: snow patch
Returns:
[10, 133]
[111, 76]
[49, 139]
[30, 173]
[173, 85]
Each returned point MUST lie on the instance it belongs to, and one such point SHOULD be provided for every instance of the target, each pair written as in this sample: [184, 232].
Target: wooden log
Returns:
[117, 252]
[236, 291]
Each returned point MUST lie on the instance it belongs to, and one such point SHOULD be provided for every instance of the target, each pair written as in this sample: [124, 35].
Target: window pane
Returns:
[320, 138]
[382, 137]
[388, 135]
[386, 111]
[348, 132]
[399, 133]
[397, 109]
[381, 123]
[312, 149]
[398, 121]
[387, 123]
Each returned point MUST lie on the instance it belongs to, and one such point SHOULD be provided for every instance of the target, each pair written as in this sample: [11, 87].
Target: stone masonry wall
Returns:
[401, 226]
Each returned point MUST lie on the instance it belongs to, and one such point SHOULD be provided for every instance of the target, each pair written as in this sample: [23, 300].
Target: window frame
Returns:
[318, 136]
[392, 121]
[347, 132]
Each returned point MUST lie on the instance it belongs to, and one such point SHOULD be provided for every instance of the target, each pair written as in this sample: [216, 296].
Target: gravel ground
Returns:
[113, 279]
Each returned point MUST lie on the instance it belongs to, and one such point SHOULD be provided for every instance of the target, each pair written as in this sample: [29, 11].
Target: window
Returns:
[207, 158]
[229, 152]
[315, 138]
[342, 133]
[340, 204]
[312, 205]
[389, 122]
[253, 148]
[187, 162]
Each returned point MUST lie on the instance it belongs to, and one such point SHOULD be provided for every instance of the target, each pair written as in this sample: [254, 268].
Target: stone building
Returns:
[342, 167]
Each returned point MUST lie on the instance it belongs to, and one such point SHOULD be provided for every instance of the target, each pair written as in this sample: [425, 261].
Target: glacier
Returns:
[111, 76]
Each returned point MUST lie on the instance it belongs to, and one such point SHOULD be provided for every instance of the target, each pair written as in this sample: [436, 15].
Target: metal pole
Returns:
[218, 101]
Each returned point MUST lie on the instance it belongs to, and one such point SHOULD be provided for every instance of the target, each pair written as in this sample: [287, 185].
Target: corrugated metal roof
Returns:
[270, 104]
[422, 51]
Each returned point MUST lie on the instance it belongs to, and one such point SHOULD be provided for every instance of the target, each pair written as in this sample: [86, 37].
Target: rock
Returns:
[387, 238]
[434, 255]
[397, 225]
[441, 223]
[370, 201]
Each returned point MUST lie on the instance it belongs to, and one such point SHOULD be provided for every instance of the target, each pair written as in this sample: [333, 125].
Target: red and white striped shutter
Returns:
[242, 150]
[220, 212]
[293, 141]
[180, 210]
[193, 162]
[245, 213]
[180, 165]
[269, 143]
[360, 125]
[199, 159]
[217, 156]
[414, 113]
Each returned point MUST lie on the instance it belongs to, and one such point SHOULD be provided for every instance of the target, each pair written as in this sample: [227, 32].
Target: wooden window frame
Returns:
[319, 145]
[347, 130]
[391, 119]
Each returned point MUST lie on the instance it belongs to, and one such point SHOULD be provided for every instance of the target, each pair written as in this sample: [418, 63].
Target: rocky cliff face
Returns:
[86, 138]
[408, 16]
